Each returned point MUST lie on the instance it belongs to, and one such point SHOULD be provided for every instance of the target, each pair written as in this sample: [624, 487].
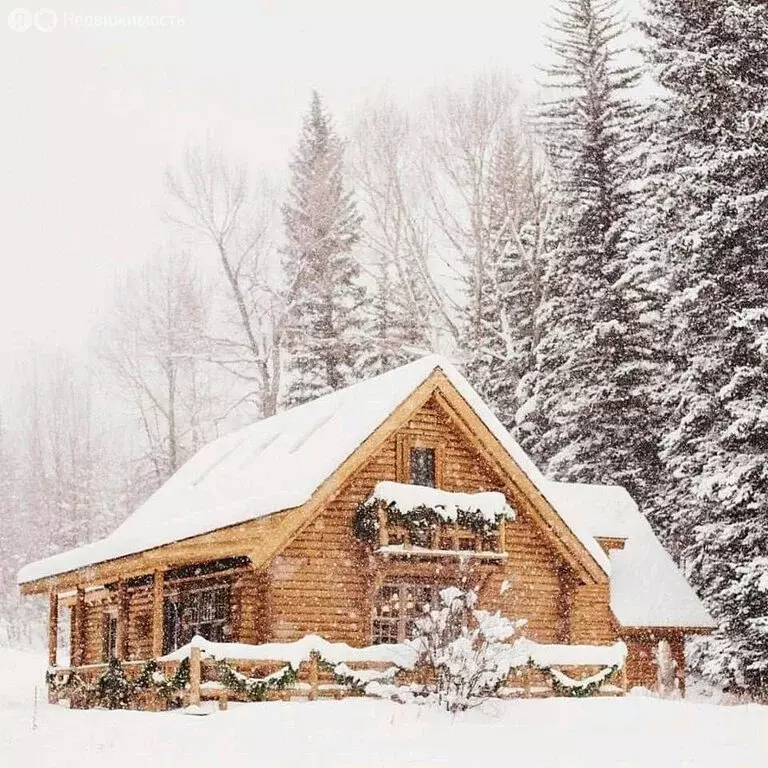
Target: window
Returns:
[423, 466]
[396, 608]
[196, 611]
[109, 635]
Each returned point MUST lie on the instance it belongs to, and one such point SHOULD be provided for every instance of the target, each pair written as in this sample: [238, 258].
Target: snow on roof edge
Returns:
[120, 543]
[107, 549]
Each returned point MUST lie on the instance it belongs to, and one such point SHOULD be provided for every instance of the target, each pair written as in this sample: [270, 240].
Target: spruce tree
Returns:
[392, 336]
[711, 142]
[324, 293]
[502, 342]
[597, 367]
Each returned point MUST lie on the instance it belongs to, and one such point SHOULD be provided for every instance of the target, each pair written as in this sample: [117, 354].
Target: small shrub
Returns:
[464, 656]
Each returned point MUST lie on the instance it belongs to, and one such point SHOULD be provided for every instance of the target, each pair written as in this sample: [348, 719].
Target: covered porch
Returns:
[146, 616]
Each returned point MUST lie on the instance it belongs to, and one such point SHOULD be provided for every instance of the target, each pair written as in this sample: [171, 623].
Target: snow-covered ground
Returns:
[364, 732]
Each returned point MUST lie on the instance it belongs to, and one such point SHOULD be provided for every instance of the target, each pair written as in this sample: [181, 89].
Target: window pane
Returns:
[395, 609]
[423, 466]
[200, 611]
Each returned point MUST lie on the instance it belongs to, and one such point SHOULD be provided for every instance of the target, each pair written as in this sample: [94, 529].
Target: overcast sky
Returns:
[91, 117]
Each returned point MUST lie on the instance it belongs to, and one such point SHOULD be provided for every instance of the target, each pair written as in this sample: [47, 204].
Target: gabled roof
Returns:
[277, 464]
[280, 463]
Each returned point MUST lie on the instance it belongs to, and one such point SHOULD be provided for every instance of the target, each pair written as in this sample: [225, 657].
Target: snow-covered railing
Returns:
[402, 655]
[563, 655]
[427, 515]
[449, 506]
[385, 661]
[373, 670]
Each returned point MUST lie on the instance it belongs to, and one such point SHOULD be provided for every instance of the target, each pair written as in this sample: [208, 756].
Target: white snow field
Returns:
[597, 733]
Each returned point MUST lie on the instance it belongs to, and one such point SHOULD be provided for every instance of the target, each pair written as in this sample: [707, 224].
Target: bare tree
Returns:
[397, 229]
[157, 347]
[59, 475]
[214, 201]
[462, 132]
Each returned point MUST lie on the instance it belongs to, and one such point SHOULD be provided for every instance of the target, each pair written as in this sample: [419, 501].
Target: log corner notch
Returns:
[157, 614]
[53, 626]
[78, 630]
[121, 641]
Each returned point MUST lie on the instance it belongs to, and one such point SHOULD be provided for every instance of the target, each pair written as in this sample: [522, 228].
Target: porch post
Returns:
[53, 626]
[157, 615]
[78, 631]
[121, 638]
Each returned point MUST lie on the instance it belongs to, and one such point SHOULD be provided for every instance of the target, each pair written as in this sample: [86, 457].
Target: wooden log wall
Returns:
[642, 668]
[322, 582]
[592, 622]
[248, 607]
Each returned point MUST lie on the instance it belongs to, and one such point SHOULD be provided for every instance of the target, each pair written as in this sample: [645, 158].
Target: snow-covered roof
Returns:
[647, 588]
[278, 463]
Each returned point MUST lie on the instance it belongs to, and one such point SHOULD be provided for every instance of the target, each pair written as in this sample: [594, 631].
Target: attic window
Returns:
[423, 466]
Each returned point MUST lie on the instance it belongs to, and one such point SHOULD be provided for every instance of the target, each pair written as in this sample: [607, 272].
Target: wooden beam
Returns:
[78, 630]
[314, 675]
[122, 624]
[53, 626]
[383, 529]
[157, 614]
[194, 675]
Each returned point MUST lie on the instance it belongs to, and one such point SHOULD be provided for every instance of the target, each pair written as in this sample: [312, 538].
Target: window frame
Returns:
[404, 620]
[405, 443]
[189, 597]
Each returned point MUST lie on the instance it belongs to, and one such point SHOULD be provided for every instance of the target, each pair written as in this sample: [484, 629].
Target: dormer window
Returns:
[423, 467]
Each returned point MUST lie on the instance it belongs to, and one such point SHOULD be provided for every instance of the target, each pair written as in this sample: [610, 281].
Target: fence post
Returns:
[314, 674]
[194, 675]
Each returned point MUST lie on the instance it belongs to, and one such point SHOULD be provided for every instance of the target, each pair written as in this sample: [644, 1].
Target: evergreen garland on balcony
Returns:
[420, 522]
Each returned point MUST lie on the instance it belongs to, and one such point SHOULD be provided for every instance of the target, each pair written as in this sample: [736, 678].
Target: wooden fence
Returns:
[312, 680]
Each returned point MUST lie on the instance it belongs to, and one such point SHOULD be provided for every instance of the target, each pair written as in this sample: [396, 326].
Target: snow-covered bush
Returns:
[464, 656]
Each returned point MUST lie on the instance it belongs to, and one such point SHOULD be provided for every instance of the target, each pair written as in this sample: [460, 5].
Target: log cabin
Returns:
[300, 524]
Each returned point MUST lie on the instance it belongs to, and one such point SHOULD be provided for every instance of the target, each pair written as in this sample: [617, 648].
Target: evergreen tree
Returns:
[324, 295]
[711, 187]
[501, 352]
[392, 335]
[593, 416]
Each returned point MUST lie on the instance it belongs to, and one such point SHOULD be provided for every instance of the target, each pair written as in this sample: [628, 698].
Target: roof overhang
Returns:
[274, 531]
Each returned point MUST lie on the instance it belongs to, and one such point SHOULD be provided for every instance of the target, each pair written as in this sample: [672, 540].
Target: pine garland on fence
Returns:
[255, 688]
[578, 688]
[113, 689]
[356, 687]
